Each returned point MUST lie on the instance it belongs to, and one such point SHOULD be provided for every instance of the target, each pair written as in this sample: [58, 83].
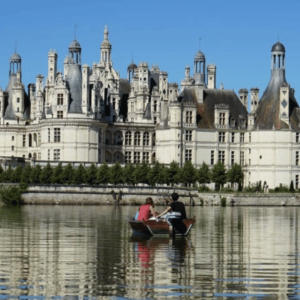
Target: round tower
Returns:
[278, 57]
[75, 52]
[199, 68]
[130, 71]
[15, 63]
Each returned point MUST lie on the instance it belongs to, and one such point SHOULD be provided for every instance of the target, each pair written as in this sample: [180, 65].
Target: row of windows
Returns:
[222, 136]
[56, 154]
[221, 157]
[138, 157]
[57, 138]
[137, 138]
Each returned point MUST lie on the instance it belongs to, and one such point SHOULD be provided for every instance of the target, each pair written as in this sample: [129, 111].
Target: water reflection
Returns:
[63, 251]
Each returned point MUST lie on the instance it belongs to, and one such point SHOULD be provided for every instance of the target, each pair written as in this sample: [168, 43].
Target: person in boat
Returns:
[175, 206]
[146, 210]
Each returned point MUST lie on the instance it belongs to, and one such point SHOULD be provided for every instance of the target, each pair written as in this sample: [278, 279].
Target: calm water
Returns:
[87, 252]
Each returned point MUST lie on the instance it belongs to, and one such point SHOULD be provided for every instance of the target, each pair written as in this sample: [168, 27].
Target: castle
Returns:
[90, 114]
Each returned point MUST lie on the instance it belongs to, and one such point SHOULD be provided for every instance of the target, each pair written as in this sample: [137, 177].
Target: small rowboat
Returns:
[160, 227]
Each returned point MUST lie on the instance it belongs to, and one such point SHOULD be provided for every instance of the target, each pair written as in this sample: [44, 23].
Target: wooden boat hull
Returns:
[152, 227]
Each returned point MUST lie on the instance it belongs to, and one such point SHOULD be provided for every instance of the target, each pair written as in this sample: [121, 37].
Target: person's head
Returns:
[175, 196]
[149, 201]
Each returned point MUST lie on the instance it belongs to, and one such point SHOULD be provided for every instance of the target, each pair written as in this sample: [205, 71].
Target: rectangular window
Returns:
[155, 120]
[222, 118]
[146, 157]
[39, 155]
[297, 137]
[188, 154]
[137, 157]
[24, 140]
[222, 156]
[222, 137]
[232, 157]
[12, 148]
[242, 137]
[232, 137]
[297, 181]
[18, 100]
[127, 157]
[48, 154]
[56, 135]
[100, 136]
[188, 135]
[132, 107]
[99, 155]
[146, 139]
[188, 117]
[60, 114]
[114, 103]
[297, 158]
[60, 99]
[48, 135]
[56, 154]
[249, 137]
[12, 138]
[242, 158]
[212, 157]
[155, 106]
[18, 109]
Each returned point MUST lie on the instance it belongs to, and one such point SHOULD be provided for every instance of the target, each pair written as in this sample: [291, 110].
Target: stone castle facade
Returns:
[90, 114]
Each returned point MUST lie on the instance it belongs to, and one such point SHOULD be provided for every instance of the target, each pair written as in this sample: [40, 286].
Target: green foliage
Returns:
[79, 175]
[155, 174]
[141, 172]
[116, 174]
[8, 174]
[173, 173]
[1, 173]
[189, 174]
[201, 201]
[46, 174]
[250, 189]
[91, 175]
[35, 174]
[103, 175]
[56, 174]
[281, 189]
[67, 174]
[223, 202]
[16, 174]
[204, 174]
[235, 174]
[128, 174]
[218, 175]
[11, 195]
[203, 188]
[25, 178]
[292, 187]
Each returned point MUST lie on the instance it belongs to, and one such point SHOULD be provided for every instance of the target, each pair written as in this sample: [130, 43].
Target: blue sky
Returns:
[237, 36]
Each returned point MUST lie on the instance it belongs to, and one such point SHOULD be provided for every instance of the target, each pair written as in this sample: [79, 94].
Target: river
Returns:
[88, 252]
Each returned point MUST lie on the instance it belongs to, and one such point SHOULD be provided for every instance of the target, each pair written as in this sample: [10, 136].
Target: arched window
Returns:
[137, 138]
[128, 138]
[146, 139]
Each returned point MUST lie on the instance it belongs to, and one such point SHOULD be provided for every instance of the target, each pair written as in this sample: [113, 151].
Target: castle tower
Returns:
[243, 95]
[211, 76]
[105, 48]
[75, 52]
[52, 66]
[15, 64]
[130, 71]
[199, 68]
[254, 99]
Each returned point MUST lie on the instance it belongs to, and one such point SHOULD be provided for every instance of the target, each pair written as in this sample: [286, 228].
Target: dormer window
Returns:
[60, 99]
[189, 117]
[222, 118]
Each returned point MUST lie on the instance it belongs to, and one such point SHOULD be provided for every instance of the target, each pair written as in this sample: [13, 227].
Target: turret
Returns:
[243, 95]
[211, 76]
[254, 99]
[52, 66]
[105, 48]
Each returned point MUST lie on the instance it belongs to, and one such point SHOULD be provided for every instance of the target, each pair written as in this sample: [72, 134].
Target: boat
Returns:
[162, 227]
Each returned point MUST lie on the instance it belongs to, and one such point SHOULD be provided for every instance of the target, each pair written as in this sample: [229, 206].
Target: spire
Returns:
[105, 33]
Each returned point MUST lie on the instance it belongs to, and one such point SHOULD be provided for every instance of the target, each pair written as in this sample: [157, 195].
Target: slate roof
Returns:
[74, 79]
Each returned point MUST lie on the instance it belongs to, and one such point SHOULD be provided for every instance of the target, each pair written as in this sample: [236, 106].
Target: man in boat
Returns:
[175, 206]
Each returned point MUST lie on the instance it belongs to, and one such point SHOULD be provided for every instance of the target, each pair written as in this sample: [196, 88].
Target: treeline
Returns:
[130, 174]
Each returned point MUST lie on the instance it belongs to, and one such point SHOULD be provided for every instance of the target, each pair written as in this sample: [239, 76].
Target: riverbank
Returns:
[136, 195]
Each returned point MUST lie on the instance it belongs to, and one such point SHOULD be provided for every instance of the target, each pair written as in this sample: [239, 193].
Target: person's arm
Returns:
[152, 211]
[164, 212]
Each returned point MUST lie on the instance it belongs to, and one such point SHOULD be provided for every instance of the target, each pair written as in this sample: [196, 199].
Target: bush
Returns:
[223, 201]
[203, 188]
[281, 189]
[11, 195]
[227, 190]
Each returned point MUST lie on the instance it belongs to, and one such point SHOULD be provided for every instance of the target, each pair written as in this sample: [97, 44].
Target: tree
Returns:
[204, 174]
[16, 174]
[35, 174]
[116, 174]
[67, 173]
[128, 174]
[79, 175]
[235, 174]
[103, 174]
[91, 175]
[56, 175]
[1, 173]
[153, 175]
[140, 173]
[173, 173]
[292, 187]
[25, 177]
[218, 175]
[46, 174]
[7, 174]
[189, 175]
